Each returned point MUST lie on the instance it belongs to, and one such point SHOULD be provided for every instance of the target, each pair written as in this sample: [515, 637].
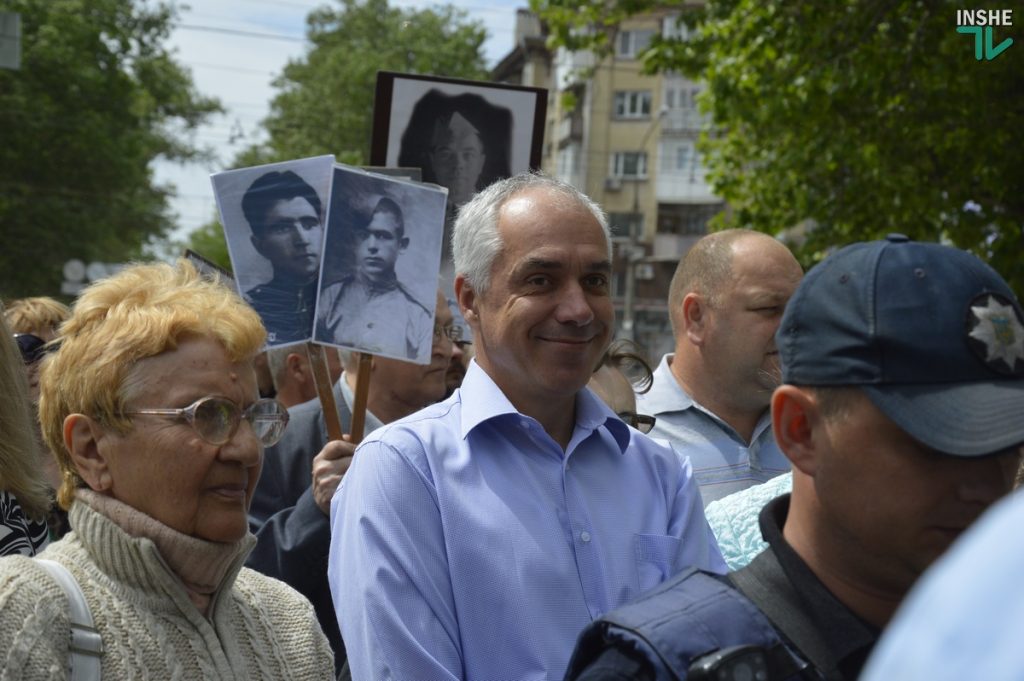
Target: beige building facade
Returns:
[629, 141]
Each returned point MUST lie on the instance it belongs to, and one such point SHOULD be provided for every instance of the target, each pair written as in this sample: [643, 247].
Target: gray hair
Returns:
[475, 238]
[277, 362]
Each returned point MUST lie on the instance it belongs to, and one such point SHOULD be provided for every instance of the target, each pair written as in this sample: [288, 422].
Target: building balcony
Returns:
[683, 120]
[569, 130]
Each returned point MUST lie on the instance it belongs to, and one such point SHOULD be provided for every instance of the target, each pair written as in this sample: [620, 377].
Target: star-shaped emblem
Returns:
[998, 327]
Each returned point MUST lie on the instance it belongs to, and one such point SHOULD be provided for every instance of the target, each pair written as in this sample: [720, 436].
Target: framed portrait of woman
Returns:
[462, 134]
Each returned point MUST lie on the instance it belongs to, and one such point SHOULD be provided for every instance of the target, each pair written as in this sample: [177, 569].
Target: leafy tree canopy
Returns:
[858, 117]
[325, 100]
[97, 98]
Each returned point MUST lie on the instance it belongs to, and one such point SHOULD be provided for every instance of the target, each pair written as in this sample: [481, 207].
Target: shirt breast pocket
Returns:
[655, 556]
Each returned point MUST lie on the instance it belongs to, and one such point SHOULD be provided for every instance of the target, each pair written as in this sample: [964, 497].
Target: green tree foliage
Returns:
[96, 100]
[208, 241]
[862, 117]
[325, 103]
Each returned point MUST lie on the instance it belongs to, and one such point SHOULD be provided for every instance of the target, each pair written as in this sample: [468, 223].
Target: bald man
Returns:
[710, 397]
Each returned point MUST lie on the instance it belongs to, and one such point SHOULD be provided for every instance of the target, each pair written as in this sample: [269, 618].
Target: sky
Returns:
[235, 49]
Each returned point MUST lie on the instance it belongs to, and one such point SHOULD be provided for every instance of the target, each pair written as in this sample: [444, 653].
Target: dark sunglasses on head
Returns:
[642, 422]
[32, 347]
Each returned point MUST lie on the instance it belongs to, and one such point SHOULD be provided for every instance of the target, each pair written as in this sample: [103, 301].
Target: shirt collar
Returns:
[372, 422]
[666, 392]
[592, 413]
[666, 395]
[489, 402]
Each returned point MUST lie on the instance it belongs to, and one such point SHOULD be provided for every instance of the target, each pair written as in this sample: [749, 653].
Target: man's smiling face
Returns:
[547, 317]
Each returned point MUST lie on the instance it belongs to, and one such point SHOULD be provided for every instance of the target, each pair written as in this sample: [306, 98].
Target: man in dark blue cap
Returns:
[900, 411]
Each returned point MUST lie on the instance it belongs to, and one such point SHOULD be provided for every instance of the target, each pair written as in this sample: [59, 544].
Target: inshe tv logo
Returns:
[979, 22]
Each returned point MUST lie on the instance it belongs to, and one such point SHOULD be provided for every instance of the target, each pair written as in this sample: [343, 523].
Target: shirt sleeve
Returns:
[388, 570]
[699, 546]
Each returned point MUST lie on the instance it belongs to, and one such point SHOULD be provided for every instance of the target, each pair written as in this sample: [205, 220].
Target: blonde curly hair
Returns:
[142, 311]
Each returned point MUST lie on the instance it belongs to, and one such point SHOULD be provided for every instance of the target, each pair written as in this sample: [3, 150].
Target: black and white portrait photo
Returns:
[273, 218]
[460, 141]
[379, 274]
[463, 134]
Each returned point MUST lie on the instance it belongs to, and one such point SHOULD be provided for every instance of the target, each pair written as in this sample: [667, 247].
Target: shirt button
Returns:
[585, 537]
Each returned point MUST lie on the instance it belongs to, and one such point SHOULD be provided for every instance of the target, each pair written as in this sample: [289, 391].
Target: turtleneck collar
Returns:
[201, 565]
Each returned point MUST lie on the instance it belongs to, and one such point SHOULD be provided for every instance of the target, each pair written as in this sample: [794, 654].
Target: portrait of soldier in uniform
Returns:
[274, 219]
[285, 216]
[370, 308]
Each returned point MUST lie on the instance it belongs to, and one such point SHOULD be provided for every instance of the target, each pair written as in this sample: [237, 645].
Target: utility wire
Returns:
[245, 34]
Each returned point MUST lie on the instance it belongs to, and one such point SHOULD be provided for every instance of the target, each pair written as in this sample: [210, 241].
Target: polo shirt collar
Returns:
[667, 394]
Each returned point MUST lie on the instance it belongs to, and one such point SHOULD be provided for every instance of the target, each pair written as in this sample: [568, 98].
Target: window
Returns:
[629, 164]
[681, 97]
[673, 28]
[684, 156]
[632, 43]
[686, 219]
[624, 225]
[633, 104]
[568, 163]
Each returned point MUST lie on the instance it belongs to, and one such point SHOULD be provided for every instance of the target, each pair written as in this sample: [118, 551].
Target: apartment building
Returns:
[629, 141]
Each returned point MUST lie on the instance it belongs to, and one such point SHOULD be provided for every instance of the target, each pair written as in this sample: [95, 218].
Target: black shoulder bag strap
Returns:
[764, 583]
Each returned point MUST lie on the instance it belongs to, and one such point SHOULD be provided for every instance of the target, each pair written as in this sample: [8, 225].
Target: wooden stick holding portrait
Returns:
[379, 271]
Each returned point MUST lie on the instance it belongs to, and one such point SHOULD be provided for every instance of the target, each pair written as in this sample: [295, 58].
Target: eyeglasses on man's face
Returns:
[642, 422]
[451, 332]
[216, 419]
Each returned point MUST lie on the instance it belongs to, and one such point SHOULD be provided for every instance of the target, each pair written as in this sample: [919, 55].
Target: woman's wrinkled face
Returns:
[163, 468]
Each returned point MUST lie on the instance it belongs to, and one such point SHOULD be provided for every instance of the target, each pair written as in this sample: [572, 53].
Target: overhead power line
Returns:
[244, 34]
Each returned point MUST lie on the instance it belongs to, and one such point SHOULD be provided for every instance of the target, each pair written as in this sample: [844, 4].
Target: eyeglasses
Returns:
[642, 422]
[32, 347]
[452, 333]
[216, 419]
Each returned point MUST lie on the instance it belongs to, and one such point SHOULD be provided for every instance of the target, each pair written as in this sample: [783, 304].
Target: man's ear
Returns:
[297, 365]
[694, 317]
[82, 437]
[795, 419]
[403, 243]
[466, 297]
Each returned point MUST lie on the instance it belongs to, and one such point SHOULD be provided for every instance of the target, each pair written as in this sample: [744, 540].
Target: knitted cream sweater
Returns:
[256, 627]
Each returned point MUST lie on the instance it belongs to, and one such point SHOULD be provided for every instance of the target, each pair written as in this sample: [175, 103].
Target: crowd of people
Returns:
[536, 502]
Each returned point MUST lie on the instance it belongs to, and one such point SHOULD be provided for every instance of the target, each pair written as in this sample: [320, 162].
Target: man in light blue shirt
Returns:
[477, 537]
[710, 397]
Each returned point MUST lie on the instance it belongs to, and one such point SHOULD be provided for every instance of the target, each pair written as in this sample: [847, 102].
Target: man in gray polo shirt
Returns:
[711, 396]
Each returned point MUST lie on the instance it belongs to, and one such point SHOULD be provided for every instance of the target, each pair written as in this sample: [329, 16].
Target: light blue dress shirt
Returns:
[964, 618]
[467, 545]
[723, 463]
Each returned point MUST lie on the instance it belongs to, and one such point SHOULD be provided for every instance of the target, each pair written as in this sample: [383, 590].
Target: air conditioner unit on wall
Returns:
[612, 184]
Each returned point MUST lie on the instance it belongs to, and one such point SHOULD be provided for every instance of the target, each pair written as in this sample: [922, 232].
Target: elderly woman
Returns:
[151, 407]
